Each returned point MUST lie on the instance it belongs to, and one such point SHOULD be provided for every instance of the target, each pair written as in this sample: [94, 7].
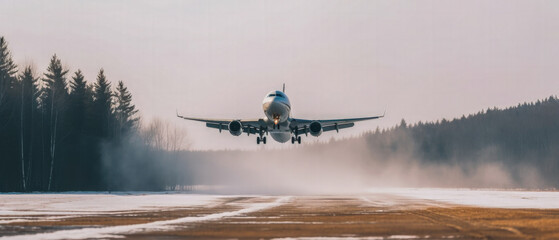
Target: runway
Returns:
[373, 214]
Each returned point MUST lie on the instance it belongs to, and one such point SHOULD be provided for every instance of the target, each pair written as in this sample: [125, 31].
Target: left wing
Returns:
[251, 126]
[302, 125]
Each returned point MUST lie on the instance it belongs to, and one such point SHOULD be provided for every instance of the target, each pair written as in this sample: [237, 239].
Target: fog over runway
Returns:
[380, 213]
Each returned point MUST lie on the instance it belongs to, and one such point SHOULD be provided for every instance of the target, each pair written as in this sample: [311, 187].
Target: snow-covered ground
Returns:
[479, 197]
[96, 203]
[15, 208]
[117, 231]
[100, 203]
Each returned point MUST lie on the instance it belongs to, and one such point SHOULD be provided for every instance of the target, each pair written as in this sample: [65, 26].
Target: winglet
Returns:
[384, 113]
[283, 88]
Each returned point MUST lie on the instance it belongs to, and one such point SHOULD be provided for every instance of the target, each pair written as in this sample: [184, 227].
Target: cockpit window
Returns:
[276, 95]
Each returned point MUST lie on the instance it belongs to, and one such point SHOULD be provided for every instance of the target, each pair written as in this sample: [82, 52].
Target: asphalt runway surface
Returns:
[386, 214]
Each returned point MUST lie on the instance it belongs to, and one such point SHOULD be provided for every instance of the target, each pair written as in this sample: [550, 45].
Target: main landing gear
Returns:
[260, 139]
[298, 139]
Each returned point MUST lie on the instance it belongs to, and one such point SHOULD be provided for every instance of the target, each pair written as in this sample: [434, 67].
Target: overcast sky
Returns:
[419, 60]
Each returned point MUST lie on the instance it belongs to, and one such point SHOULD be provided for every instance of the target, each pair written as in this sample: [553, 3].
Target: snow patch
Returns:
[118, 231]
[83, 203]
[480, 198]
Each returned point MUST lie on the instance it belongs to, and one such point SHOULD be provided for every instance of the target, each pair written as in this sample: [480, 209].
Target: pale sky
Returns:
[419, 60]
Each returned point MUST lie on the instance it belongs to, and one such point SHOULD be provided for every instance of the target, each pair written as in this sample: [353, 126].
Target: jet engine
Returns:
[235, 128]
[315, 128]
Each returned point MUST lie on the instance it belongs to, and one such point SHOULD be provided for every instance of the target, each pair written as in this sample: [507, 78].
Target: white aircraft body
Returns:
[278, 122]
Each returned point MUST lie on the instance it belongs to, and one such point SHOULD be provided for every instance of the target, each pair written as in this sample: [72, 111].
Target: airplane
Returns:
[278, 122]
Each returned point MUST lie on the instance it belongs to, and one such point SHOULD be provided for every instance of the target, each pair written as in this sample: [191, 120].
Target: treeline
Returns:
[54, 126]
[522, 138]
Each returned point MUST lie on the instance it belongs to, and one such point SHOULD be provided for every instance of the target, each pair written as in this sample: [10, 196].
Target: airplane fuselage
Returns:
[277, 109]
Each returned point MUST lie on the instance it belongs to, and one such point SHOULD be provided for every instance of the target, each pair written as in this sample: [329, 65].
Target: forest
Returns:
[53, 126]
[523, 140]
[60, 133]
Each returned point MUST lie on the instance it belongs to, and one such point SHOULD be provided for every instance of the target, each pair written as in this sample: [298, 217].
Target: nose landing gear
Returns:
[276, 121]
[260, 139]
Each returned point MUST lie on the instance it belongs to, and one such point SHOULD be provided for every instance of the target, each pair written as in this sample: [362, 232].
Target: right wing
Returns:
[251, 126]
[301, 125]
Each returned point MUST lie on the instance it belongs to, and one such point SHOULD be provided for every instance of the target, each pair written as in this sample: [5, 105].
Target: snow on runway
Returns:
[115, 231]
[479, 197]
[96, 203]
[20, 210]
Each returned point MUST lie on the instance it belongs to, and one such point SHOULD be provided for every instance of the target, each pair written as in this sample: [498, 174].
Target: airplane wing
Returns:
[302, 125]
[251, 126]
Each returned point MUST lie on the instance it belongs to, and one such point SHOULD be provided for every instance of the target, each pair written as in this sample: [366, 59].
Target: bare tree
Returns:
[162, 135]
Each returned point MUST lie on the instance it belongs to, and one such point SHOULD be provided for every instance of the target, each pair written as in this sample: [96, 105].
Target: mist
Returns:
[345, 166]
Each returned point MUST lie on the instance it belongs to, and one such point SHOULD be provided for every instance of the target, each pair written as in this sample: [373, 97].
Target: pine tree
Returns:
[79, 98]
[28, 107]
[55, 82]
[74, 170]
[8, 120]
[102, 118]
[54, 97]
[8, 70]
[102, 104]
[78, 85]
[125, 111]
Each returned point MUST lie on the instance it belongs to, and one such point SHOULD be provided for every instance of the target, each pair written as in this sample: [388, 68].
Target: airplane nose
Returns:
[276, 109]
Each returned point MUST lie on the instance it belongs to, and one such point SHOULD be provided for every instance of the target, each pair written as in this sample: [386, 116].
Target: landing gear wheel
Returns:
[257, 140]
[292, 140]
[299, 139]
[264, 140]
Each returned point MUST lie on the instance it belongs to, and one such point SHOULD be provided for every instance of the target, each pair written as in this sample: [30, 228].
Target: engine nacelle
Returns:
[315, 128]
[235, 128]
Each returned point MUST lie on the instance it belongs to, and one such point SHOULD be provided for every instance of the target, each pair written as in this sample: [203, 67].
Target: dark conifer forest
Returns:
[53, 126]
[520, 138]
[62, 132]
